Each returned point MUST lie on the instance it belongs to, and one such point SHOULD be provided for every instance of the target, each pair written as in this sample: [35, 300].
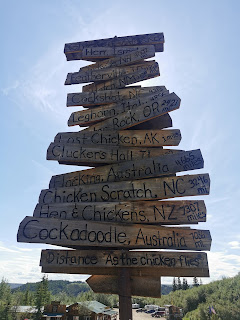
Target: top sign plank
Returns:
[142, 39]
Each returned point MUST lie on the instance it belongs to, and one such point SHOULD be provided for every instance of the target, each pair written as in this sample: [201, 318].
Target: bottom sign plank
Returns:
[112, 259]
[140, 286]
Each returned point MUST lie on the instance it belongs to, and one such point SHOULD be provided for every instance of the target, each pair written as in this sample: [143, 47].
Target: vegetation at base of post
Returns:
[222, 295]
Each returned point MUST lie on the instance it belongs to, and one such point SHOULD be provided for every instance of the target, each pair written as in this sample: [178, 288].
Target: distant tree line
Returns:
[178, 285]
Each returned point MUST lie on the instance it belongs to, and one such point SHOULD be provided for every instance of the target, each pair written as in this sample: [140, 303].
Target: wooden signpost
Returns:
[139, 286]
[125, 202]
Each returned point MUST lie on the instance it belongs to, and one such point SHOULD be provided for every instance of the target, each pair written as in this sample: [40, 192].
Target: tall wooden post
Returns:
[125, 300]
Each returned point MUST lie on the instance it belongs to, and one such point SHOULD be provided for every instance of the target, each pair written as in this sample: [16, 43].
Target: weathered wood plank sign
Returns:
[143, 73]
[143, 113]
[72, 234]
[146, 189]
[151, 67]
[91, 99]
[96, 53]
[89, 53]
[144, 212]
[118, 259]
[146, 168]
[158, 123]
[133, 138]
[122, 61]
[140, 286]
[104, 154]
[132, 92]
[137, 271]
[93, 115]
[143, 39]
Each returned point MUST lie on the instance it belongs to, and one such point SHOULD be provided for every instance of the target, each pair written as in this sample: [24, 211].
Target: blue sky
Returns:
[200, 64]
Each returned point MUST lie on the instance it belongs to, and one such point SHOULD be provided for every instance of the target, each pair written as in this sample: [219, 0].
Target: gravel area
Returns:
[142, 316]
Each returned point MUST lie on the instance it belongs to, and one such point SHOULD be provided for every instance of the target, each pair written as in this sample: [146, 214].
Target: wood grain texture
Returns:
[121, 61]
[91, 99]
[140, 272]
[74, 154]
[127, 79]
[139, 286]
[164, 121]
[143, 113]
[132, 92]
[162, 165]
[79, 178]
[142, 39]
[112, 259]
[146, 189]
[96, 53]
[143, 72]
[80, 234]
[79, 55]
[110, 73]
[93, 115]
[124, 138]
[175, 212]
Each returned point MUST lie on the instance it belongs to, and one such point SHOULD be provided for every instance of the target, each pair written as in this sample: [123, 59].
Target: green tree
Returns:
[179, 284]
[185, 285]
[5, 300]
[195, 282]
[174, 285]
[42, 297]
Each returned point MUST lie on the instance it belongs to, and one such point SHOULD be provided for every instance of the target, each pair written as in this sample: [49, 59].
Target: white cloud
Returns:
[234, 244]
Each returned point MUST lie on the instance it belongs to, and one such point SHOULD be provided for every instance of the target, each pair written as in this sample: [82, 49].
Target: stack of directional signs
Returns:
[119, 204]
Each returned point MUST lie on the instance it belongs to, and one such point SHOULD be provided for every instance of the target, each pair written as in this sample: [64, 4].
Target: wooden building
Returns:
[90, 310]
[54, 311]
